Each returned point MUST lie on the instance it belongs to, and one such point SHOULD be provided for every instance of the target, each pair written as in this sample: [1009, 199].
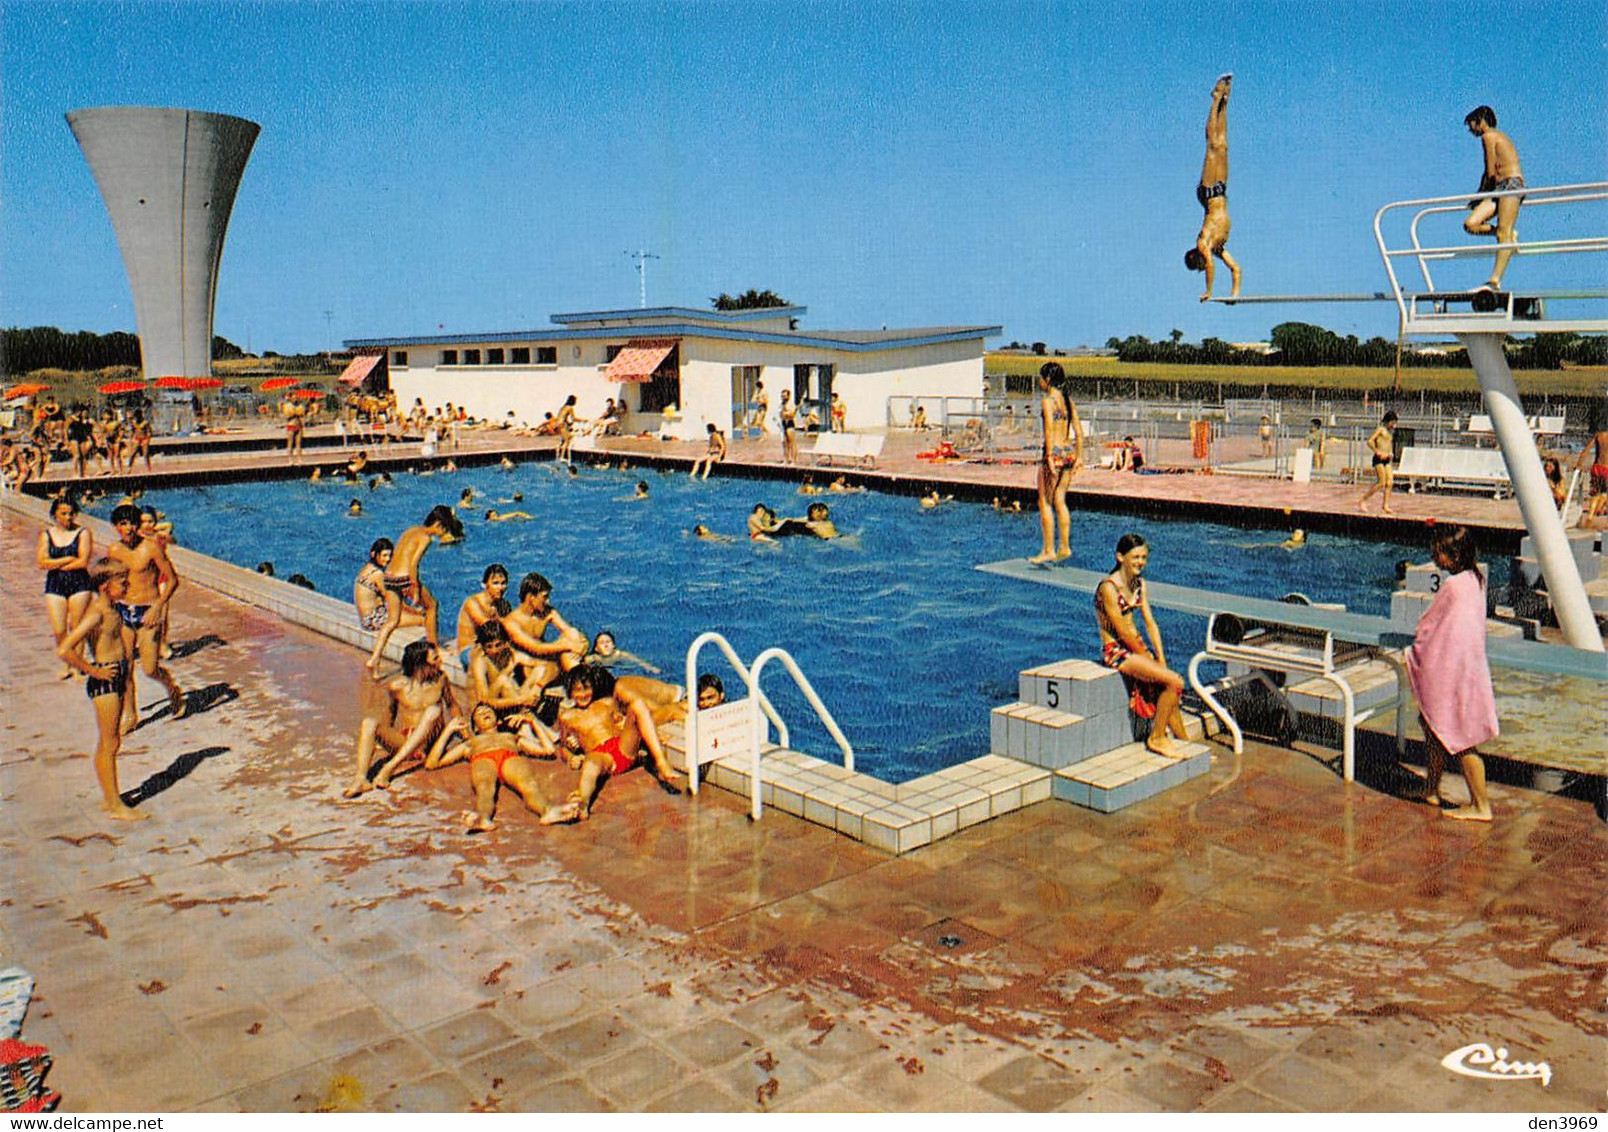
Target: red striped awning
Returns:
[359, 368]
[640, 358]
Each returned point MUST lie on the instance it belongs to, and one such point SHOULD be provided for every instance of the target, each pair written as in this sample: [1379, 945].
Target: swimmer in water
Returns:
[606, 652]
[817, 522]
[703, 532]
[1296, 540]
[507, 516]
[841, 486]
[1007, 506]
[933, 499]
[355, 508]
[761, 523]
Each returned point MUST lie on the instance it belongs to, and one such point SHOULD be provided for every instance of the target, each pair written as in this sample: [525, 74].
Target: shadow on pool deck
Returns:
[1264, 938]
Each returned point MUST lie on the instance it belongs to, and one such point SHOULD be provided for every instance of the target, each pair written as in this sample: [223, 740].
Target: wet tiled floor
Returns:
[1264, 937]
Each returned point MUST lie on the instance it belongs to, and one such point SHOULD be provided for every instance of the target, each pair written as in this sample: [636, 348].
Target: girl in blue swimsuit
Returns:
[63, 554]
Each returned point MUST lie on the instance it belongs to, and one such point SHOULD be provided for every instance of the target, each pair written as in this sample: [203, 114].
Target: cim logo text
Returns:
[1480, 1060]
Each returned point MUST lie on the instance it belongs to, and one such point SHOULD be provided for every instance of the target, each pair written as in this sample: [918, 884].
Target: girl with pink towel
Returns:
[1449, 674]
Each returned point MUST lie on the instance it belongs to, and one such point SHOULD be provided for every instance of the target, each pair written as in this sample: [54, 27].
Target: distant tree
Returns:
[223, 348]
[1302, 344]
[1113, 343]
[25, 349]
[1176, 335]
[1039, 349]
[749, 300]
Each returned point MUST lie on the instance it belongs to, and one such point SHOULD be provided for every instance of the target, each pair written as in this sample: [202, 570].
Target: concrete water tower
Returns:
[168, 177]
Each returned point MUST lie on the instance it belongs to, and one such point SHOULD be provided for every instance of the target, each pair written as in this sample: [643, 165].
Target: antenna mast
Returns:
[641, 258]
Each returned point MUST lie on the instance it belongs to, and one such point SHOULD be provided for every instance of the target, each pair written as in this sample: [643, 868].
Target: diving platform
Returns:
[1548, 696]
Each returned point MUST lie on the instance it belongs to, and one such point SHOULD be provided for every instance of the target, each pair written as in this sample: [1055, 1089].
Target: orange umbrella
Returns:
[172, 382]
[26, 389]
[113, 387]
[205, 383]
[277, 383]
[308, 394]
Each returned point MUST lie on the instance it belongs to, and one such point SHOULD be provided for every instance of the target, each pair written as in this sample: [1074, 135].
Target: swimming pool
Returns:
[907, 644]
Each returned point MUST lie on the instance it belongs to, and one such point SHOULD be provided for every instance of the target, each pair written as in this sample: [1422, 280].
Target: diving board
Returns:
[1363, 297]
[1358, 628]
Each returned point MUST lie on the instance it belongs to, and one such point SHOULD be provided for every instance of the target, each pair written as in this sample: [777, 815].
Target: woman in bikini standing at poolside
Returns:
[1063, 453]
[565, 423]
[64, 553]
[139, 440]
[1116, 599]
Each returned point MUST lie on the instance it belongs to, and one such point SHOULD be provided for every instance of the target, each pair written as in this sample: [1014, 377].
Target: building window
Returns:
[471, 357]
[449, 357]
[664, 387]
[519, 356]
[399, 357]
[611, 352]
[494, 356]
[547, 355]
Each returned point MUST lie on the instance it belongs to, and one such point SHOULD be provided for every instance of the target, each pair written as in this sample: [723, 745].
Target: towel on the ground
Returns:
[16, 991]
[1447, 667]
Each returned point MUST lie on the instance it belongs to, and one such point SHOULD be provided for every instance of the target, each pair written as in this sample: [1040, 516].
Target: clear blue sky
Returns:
[479, 166]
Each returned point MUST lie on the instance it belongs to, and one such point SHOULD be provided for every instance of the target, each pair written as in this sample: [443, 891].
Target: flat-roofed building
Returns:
[706, 364]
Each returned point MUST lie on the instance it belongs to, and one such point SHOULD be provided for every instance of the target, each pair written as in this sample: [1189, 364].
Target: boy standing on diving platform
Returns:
[1212, 192]
[1502, 173]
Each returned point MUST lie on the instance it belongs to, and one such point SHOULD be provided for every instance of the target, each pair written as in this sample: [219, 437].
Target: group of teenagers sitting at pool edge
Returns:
[537, 688]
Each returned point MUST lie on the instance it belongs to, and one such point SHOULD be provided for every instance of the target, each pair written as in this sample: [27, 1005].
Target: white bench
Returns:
[1480, 424]
[857, 447]
[1480, 468]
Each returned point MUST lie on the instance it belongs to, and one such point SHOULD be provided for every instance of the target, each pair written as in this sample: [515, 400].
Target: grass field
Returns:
[1203, 380]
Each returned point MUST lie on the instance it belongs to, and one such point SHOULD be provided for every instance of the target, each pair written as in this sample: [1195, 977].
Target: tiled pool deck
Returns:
[1262, 937]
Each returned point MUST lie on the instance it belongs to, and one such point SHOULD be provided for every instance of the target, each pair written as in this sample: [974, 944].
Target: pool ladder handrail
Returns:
[759, 703]
[756, 802]
[692, 699]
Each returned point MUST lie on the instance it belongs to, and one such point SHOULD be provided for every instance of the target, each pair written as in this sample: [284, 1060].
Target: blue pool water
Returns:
[908, 645]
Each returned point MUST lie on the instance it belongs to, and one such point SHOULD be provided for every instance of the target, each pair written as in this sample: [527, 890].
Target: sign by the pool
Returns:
[725, 730]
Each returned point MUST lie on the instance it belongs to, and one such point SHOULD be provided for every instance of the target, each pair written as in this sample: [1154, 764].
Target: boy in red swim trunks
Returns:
[605, 737]
[109, 686]
[494, 757]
